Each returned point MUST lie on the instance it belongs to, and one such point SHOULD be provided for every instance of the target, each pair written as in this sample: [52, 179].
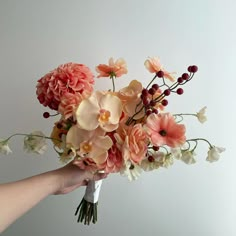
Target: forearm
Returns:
[18, 197]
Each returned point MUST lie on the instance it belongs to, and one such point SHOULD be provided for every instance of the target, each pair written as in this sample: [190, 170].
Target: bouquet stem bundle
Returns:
[87, 209]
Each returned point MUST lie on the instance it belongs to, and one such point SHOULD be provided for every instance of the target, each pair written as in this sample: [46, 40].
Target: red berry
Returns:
[167, 92]
[145, 102]
[164, 102]
[180, 80]
[180, 91]
[155, 111]
[46, 115]
[155, 86]
[194, 68]
[152, 91]
[144, 92]
[59, 126]
[148, 112]
[185, 76]
[151, 159]
[152, 103]
[190, 69]
[160, 74]
[155, 148]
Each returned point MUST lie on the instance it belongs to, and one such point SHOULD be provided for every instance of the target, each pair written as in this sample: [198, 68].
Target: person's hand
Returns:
[71, 177]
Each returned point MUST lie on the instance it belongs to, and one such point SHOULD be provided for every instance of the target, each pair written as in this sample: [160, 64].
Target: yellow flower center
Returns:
[104, 116]
[86, 147]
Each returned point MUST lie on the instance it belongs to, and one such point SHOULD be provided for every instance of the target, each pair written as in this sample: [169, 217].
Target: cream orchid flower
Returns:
[89, 144]
[99, 110]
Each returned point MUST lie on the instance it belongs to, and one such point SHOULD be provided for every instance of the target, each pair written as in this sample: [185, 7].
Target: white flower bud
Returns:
[4, 148]
[214, 153]
[35, 143]
[201, 115]
[188, 157]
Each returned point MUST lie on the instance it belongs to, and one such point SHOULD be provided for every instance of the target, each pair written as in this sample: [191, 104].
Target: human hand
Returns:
[71, 177]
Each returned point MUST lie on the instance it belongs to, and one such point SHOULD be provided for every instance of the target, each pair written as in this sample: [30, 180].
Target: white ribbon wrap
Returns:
[92, 191]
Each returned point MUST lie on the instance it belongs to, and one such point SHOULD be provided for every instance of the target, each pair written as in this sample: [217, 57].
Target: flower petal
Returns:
[112, 104]
[87, 113]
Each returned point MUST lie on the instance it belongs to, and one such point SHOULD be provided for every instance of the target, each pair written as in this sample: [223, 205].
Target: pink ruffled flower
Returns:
[133, 142]
[163, 130]
[114, 161]
[113, 69]
[153, 65]
[67, 78]
[69, 103]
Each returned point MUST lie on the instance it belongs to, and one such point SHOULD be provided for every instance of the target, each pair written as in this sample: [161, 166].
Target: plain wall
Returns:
[37, 36]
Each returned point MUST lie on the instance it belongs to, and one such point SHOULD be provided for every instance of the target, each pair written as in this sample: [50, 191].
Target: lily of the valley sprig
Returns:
[127, 130]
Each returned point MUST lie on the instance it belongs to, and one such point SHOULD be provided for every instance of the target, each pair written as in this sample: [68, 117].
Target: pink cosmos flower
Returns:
[153, 65]
[92, 145]
[133, 142]
[68, 78]
[163, 130]
[99, 110]
[113, 69]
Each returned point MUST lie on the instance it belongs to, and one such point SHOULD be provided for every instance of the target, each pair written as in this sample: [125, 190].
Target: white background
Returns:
[37, 36]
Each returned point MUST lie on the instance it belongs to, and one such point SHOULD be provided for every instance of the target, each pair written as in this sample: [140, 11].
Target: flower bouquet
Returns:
[124, 131]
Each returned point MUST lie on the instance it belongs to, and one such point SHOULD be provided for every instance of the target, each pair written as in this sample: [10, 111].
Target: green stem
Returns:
[34, 135]
[185, 114]
[200, 139]
[151, 81]
[113, 83]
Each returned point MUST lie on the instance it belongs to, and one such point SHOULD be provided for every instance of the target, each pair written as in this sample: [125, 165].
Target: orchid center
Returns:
[86, 147]
[104, 116]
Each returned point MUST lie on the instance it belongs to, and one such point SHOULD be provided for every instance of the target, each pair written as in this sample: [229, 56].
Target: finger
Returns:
[99, 176]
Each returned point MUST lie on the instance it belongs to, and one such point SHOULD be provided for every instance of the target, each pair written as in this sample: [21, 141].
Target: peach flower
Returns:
[68, 78]
[133, 142]
[113, 69]
[153, 65]
[99, 110]
[163, 130]
[130, 97]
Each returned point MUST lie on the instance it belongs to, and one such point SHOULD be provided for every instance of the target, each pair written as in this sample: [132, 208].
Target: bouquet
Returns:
[124, 131]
